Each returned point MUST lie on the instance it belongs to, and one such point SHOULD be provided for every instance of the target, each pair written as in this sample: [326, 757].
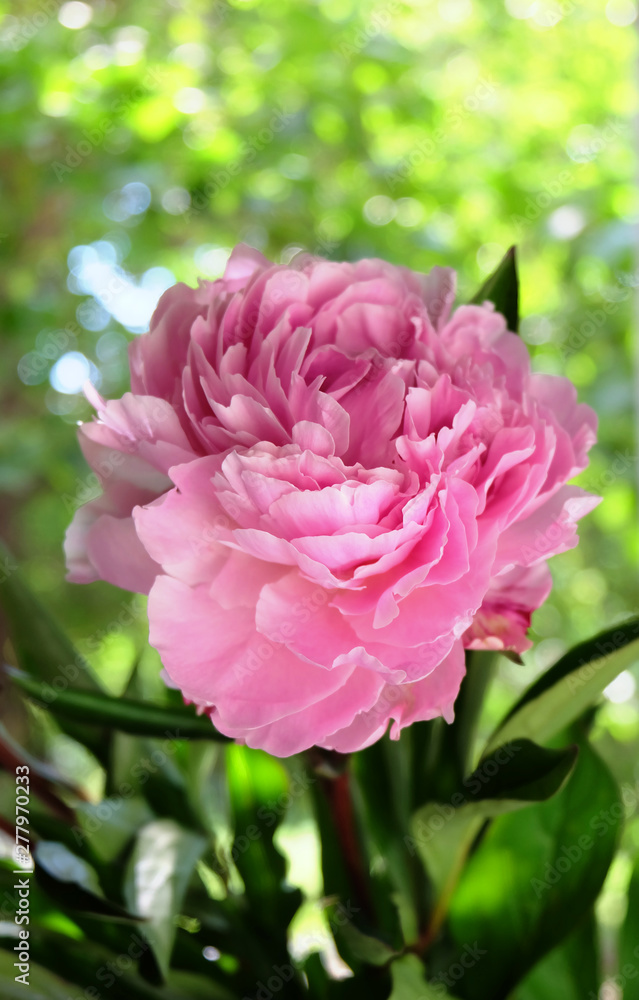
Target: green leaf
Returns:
[109, 825]
[73, 883]
[42, 648]
[569, 971]
[187, 986]
[502, 289]
[45, 782]
[513, 776]
[371, 983]
[157, 877]
[364, 947]
[521, 771]
[629, 940]
[584, 654]
[259, 790]
[124, 714]
[60, 863]
[383, 774]
[442, 837]
[258, 786]
[571, 686]
[410, 983]
[480, 668]
[90, 966]
[448, 750]
[148, 766]
[533, 875]
[316, 976]
[42, 983]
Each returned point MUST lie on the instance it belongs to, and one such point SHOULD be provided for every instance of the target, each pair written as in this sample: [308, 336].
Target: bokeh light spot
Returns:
[75, 15]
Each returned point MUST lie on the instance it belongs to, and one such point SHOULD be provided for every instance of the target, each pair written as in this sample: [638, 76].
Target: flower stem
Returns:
[335, 783]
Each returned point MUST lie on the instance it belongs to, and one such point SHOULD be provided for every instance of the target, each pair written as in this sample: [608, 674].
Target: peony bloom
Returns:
[330, 486]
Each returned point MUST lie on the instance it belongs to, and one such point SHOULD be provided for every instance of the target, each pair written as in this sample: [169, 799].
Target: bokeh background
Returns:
[142, 140]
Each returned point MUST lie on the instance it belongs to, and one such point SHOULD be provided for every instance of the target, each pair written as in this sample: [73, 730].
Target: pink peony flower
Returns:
[329, 486]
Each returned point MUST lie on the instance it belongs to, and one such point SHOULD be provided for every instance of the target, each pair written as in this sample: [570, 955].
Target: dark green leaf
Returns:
[108, 826]
[535, 872]
[73, 883]
[90, 966]
[480, 668]
[134, 717]
[258, 786]
[316, 977]
[513, 776]
[42, 649]
[629, 941]
[451, 747]
[45, 782]
[382, 774]
[571, 686]
[502, 289]
[570, 971]
[584, 654]
[42, 983]
[522, 771]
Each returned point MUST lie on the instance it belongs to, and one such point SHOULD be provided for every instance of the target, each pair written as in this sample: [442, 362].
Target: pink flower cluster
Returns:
[330, 485]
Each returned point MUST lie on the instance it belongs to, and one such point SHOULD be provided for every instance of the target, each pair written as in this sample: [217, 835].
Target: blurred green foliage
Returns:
[141, 141]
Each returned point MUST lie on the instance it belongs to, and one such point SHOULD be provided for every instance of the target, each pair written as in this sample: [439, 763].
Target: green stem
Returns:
[480, 668]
